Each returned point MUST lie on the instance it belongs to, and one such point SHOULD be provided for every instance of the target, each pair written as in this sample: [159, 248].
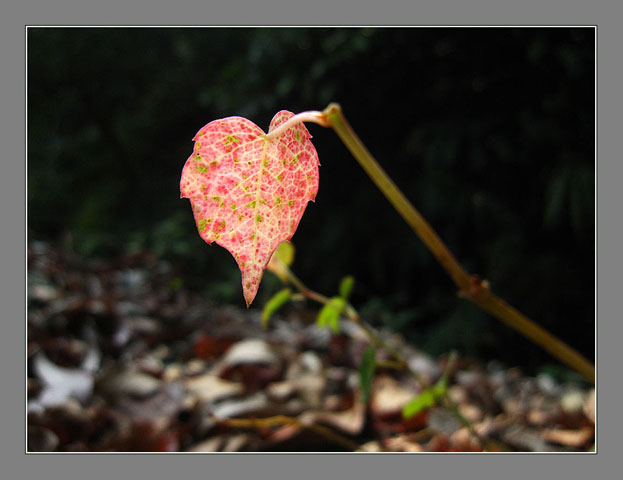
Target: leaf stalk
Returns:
[313, 116]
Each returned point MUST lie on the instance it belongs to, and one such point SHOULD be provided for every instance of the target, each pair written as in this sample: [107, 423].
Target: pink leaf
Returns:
[248, 192]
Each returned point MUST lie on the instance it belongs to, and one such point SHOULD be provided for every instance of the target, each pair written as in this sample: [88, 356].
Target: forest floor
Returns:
[120, 357]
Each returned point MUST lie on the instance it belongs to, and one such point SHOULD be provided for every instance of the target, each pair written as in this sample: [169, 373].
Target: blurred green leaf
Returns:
[329, 315]
[366, 372]
[424, 400]
[275, 303]
[427, 398]
[176, 284]
[440, 388]
[281, 260]
[346, 286]
[285, 253]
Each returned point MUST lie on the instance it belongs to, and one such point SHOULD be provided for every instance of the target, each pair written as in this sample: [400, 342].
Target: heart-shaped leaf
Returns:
[248, 192]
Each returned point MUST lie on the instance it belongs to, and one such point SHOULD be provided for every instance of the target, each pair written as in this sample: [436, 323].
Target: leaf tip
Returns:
[248, 296]
[249, 291]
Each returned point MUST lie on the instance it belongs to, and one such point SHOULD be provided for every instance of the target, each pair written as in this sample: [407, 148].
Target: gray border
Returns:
[298, 466]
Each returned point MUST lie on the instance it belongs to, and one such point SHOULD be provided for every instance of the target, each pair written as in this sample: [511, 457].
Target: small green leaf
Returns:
[346, 286]
[366, 372]
[281, 260]
[427, 398]
[274, 304]
[440, 389]
[329, 315]
[423, 401]
[285, 253]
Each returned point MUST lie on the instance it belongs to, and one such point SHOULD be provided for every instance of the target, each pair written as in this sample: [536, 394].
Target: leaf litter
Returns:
[118, 360]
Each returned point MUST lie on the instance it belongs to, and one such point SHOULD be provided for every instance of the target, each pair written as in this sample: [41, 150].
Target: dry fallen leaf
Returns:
[569, 438]
[210, 388]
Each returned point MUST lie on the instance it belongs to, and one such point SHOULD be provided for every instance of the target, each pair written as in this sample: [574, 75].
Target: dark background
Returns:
[489, 132]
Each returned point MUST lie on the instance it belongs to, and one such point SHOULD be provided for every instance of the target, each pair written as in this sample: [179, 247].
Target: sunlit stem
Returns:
[309, 116]
[470, 286]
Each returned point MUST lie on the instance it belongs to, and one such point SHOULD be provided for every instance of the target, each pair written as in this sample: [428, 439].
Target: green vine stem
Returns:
[470, 286]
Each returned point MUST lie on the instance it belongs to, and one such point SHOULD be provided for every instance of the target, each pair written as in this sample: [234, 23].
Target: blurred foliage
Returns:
[490, 132]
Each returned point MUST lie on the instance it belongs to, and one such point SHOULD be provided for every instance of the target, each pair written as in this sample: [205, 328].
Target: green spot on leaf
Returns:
[202, 225]
[258, 218]
[291, 203]
[201, 169]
